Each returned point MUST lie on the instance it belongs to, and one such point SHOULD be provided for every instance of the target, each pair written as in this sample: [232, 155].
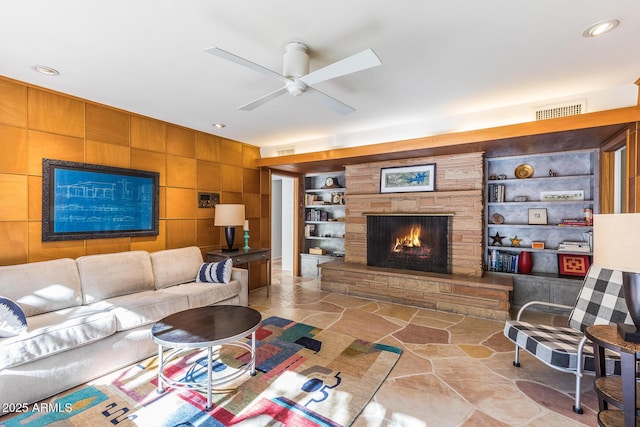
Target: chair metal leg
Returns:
[516, 359]
[577, 408]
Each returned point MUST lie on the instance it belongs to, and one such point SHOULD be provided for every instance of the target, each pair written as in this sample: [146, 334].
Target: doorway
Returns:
[283, 221]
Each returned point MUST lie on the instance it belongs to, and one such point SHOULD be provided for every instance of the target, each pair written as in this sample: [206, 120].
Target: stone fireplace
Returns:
[458, 197]
[418, 242]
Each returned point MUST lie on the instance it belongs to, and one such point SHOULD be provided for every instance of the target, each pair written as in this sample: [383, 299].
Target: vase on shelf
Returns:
[525, 262]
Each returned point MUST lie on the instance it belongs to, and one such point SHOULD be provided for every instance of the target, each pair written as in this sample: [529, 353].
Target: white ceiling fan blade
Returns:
[268, 97]
[245, 63]
[330, 102]
[358, 62]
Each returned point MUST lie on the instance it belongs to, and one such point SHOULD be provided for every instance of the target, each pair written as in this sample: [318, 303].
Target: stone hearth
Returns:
[486, 297]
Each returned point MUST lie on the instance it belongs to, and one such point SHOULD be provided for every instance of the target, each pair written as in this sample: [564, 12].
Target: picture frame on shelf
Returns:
[538, 216]
[408, 179]
[575, 265]
[553, 196]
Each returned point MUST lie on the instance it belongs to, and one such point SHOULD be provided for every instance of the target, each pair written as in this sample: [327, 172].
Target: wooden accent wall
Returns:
[37, 123]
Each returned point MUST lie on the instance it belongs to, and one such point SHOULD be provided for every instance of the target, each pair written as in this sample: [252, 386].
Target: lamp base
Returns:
[230, 234]
[629, 332]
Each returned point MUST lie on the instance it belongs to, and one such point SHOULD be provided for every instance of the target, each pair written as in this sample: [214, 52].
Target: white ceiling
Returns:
[448, 65]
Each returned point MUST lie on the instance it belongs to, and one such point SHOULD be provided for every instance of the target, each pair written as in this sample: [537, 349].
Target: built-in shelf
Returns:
[561, 172]
[324, 238]
[322, 190]
[323, 220]
[528, 249]
[542, 202]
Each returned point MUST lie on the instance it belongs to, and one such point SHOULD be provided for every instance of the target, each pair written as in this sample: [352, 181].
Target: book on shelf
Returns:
[496, 193]
[504, 262]
[574, 246]
[316, 215]
[574, 222]
[309, 230]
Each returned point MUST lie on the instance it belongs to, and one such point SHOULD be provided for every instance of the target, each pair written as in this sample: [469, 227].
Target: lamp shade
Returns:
[229, 215]
[616, 245]
[616, 241]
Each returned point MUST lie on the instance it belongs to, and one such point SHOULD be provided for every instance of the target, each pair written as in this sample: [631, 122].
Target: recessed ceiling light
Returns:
[600, 28]
[43, 69]
[219, 125]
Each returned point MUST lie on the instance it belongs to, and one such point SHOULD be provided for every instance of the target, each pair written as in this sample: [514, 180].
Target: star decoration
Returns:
[497, 239]
[515, 241]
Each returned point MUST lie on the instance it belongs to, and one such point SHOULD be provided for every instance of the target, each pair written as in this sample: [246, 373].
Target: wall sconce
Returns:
[229, 216]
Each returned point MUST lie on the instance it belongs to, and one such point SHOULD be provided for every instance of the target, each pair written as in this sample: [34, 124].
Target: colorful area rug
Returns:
[306, 376]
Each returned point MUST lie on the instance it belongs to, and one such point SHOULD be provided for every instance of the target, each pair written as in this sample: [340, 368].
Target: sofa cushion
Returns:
[215, 272]
[174, 266]
[142, 308]
[12, 319]
[111, 275]
[202, 294]
[55, 332]
[40, 287]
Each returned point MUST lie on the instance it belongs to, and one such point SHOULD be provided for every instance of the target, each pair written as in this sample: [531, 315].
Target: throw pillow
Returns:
[215, 272]
[12, 319]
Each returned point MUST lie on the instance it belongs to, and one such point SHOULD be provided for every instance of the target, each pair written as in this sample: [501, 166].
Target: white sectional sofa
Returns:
[92, 315]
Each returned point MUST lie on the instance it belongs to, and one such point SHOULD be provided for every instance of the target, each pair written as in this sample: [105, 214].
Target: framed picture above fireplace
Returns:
[408, 179]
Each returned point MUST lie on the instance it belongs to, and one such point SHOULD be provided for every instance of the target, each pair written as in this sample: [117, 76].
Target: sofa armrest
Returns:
[242, 275]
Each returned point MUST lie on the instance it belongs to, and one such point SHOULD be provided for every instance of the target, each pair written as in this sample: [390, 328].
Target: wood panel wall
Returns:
[37, 123]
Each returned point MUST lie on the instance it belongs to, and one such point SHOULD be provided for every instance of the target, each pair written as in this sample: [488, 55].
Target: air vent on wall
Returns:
[286, 152]
[561, 110]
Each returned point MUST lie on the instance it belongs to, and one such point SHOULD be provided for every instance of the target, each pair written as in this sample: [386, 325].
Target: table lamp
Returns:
[229, 216]
[616, 245]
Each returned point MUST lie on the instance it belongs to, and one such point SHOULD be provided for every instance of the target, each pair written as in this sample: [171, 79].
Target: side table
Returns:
[620, 391]
[242, 256]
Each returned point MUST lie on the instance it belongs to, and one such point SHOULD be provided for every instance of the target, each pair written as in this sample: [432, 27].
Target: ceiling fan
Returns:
[296, 77]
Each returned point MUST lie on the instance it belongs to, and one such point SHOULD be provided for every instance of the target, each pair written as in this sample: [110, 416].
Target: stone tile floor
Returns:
[455, 370]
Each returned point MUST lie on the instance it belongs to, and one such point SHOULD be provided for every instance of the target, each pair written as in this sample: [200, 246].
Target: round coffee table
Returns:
[205, 327]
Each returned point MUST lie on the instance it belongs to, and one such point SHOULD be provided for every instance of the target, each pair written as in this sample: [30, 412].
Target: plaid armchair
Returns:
[600, 301]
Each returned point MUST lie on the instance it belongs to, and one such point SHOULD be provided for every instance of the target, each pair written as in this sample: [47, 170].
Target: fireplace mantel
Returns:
[408, 213]
[466, 209]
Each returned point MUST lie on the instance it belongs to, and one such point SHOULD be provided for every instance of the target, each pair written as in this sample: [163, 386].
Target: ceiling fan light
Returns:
[600, 28]
[296, 88]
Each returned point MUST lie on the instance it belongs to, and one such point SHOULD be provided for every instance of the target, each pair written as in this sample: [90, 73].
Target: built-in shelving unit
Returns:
[536, 210]
[324, 215]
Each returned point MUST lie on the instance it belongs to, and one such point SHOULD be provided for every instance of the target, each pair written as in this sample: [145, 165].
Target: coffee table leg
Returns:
[209, 374]
[160, 388]
[252, 372]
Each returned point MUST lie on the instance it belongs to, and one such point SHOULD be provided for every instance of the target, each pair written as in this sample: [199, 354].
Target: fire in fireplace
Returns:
[409, 241]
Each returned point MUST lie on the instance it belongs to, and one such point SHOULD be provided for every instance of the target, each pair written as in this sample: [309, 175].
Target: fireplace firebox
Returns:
[420, 242]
